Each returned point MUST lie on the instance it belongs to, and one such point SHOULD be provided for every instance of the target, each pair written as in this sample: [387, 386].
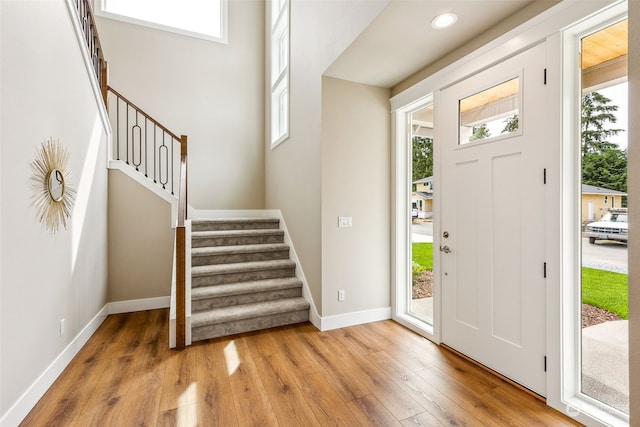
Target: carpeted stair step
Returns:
[210, 297]
[248, 317]
[200, 239]
[239, 253]
[219, 274]
[234, 224]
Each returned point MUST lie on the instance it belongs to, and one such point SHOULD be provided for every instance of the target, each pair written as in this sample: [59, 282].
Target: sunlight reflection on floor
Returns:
[231, 357]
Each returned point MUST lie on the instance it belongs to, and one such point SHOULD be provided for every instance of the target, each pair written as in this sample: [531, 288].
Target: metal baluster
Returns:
[136, 129]
[164, 149]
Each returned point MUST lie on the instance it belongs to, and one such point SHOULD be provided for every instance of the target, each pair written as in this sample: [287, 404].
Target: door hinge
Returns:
[545, 76]
[544, 176]
[545, 363]
[545, 270]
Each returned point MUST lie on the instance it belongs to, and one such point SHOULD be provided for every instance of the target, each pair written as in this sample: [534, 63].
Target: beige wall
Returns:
[293, 169]
[356, 148]
[211, 92]
[140, 241]
[634, 206]
[45, 277]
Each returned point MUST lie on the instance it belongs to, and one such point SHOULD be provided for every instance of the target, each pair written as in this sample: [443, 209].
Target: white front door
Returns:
[493, 177]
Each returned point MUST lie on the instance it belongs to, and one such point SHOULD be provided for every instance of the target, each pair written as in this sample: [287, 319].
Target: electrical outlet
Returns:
[61, 327]
[341, 295]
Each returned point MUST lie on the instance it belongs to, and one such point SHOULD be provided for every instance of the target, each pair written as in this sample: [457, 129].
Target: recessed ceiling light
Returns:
[444, 21]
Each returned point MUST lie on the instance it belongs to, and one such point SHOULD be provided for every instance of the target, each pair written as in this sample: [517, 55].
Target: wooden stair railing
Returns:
[143, 143]
[155, 156]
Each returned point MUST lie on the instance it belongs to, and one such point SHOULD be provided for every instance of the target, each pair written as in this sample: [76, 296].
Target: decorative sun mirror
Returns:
[53, 197]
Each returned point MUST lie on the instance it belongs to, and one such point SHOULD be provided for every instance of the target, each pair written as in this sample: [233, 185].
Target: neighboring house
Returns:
[117, 249]
[422, 197]
[596, 201]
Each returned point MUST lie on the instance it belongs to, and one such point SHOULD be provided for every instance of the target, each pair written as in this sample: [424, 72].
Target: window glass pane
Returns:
[277, 9]
[420, 288]
[279, 110]
[198, 16]
[284, 51]
[603, 232]
[279, 64]
[492, 112]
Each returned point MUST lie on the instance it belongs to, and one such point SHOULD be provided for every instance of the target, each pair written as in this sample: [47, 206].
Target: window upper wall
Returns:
[206, 19]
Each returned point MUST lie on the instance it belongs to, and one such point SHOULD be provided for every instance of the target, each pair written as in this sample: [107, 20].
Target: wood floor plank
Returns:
[341, 375]
[142, 401]
[471, 396]
[444, 408]
[66, 408]
[397, 400]
[371, 412]
[260, 343]
[286, 398]
[252, 404]
[410, 350]
[424, 419]
[108, 397]
[215, 400]
[328, 408]
[290, 345]
[374, 374]
[179, 387]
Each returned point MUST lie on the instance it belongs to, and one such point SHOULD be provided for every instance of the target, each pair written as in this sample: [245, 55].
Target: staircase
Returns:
[242, 278]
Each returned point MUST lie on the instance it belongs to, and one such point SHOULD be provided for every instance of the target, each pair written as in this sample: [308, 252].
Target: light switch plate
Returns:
[344, 221]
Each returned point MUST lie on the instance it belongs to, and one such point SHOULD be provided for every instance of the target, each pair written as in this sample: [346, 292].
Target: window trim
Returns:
[100, 10]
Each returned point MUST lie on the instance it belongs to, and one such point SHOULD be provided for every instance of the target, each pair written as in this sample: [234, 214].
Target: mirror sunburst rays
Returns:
[53, 212]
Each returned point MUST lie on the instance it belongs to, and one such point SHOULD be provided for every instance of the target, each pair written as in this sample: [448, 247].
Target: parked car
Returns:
[612, 226]
[414, 211]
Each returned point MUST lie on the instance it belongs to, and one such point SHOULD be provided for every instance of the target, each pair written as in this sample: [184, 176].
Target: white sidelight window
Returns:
[205, 19]
[279, 71]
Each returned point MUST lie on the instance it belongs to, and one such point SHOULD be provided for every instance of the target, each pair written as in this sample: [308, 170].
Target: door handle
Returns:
[445, 249]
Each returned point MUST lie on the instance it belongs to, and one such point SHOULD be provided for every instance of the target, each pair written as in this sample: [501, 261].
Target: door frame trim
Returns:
[401, 225]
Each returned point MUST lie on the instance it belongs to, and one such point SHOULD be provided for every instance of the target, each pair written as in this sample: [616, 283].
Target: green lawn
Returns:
[422, 253]
[600, 288]
[606, 290]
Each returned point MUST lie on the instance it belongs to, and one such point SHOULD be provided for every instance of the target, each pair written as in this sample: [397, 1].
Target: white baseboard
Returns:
[356, 318]
[138, 305]
[34, 393]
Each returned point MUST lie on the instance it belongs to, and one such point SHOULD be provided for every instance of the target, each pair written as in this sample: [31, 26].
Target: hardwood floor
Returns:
[378, 374]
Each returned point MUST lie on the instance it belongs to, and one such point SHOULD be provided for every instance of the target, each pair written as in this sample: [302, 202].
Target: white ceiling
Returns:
[400, 40]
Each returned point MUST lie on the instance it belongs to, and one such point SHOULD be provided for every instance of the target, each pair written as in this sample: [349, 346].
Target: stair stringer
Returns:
[314, 317]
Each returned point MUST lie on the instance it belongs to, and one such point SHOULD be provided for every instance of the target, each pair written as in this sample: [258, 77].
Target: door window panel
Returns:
[492, 112]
